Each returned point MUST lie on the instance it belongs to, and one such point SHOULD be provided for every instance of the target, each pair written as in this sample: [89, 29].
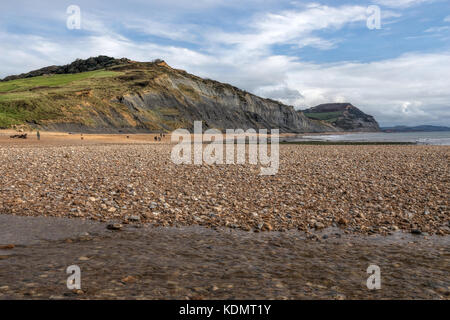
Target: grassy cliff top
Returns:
[46, 98]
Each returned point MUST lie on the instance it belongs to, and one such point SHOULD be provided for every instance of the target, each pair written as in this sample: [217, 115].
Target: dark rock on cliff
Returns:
[79, 65]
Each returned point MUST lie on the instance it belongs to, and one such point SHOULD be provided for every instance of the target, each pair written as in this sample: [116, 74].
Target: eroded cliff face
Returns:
[185, 99]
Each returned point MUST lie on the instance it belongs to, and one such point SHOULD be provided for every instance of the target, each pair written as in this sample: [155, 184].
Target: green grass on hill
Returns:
[12, 113]
[50, 81]
[49, 97]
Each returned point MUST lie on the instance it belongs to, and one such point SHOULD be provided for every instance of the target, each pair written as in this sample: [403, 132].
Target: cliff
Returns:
[118, 95]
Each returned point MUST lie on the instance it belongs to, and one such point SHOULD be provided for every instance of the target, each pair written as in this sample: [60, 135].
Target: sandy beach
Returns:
[74, 139]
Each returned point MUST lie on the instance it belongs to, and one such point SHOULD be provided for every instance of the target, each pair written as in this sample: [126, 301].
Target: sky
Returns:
[302, 53]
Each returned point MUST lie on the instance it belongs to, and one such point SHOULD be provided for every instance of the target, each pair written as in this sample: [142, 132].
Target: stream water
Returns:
[200, 263]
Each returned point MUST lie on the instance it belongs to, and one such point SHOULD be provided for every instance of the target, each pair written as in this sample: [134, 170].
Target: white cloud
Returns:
[437, 29]
[447, 19]
[409, 89]
[165, 30]
[281, 93]
[401, 3]
[293, 27]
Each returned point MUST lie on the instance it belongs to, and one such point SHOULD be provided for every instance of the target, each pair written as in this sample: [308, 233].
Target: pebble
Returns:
[134, 218]
[442, 290]
[7, 247]
[114, 226]
[267, 227]
[129, 279]
[319, 225]
[153, 205]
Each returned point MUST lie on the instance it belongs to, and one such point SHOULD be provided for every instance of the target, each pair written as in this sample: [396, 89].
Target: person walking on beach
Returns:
[38, 134]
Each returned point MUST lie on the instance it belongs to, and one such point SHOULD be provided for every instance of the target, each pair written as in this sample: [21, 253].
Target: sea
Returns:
[441, 138]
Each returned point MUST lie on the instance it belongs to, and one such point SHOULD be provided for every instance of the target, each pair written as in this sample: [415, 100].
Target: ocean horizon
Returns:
[425, 138]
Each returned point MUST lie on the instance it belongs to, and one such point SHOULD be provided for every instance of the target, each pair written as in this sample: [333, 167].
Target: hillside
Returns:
[108, 95]
[343, 116]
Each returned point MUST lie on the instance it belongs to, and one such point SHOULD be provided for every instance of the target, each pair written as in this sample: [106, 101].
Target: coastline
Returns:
[64, 138]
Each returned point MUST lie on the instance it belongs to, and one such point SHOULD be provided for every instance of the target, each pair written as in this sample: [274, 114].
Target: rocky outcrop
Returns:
[344, 117]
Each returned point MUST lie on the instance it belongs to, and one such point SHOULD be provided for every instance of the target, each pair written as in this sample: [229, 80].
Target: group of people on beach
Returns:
[158, 138]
